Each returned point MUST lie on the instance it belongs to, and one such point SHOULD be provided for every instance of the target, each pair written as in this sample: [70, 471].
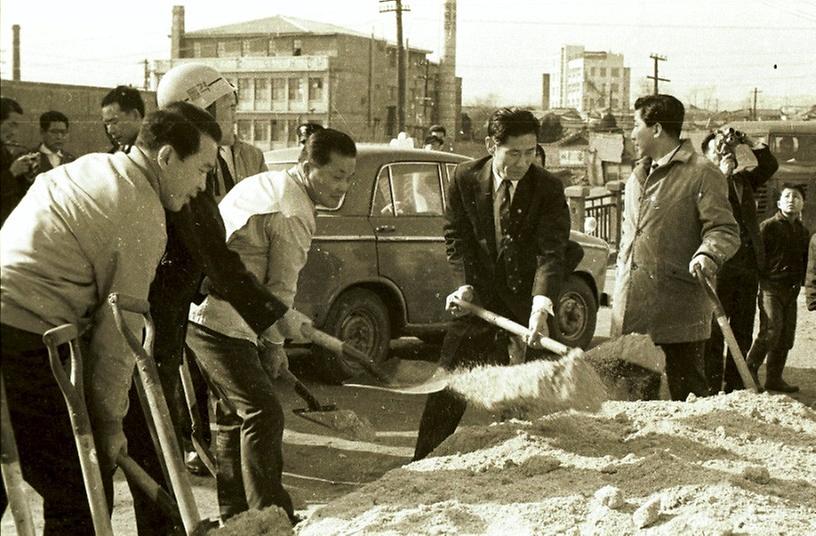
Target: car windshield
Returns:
[794, 148]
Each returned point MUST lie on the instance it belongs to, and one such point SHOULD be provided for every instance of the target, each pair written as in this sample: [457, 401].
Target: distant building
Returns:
[590, 81]
[545, 91]
[289, 70]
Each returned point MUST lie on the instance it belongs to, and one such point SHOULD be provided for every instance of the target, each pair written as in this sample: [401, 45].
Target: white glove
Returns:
[273, 359]
[291, 324]
[706, 264]
[538, 327]
[464, 293]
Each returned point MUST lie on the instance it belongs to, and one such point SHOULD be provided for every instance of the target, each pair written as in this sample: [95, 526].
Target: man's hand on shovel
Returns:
[465, 293]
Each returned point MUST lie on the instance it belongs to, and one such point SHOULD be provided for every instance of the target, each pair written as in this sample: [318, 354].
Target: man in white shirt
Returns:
[269, 220]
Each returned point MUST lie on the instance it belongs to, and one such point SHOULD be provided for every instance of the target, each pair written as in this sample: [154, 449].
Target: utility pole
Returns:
[146, 85]
[755, 104]
[656, 78]
[387, 6]
[15, 52]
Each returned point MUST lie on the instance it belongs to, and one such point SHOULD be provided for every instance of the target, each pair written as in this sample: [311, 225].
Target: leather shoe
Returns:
[194, 465]
[780, 386]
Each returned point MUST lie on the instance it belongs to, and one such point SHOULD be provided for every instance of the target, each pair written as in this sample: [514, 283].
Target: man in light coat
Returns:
[677, 217]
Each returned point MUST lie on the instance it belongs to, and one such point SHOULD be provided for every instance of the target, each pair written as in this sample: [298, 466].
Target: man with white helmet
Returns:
[196, 248]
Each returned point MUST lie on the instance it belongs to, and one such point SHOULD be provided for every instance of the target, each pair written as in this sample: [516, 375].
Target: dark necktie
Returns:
[505, 199]
[229, 182]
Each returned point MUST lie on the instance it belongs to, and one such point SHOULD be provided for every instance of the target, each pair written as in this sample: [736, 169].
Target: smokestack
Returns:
[177, 32]
[447, 71]
[15, 55]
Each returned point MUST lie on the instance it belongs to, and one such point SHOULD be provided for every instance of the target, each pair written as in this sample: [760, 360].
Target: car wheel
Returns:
[576, 314]
[359, 318]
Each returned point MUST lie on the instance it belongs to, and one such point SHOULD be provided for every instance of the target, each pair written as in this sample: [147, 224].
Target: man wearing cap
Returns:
[83, 230]
[196, 247]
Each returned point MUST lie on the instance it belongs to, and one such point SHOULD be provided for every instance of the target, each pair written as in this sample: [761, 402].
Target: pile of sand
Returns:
[732, 464]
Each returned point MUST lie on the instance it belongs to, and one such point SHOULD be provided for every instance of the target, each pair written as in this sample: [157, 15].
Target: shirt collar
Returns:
[497, 180]
[45, 150]
[662, 161]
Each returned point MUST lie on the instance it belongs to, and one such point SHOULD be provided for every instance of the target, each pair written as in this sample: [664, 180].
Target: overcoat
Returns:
[672, 214]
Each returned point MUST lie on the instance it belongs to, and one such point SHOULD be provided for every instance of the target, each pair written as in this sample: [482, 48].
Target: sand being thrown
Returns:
[738, 463]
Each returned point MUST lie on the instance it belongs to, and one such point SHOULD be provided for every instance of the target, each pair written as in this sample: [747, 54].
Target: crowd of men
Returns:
[184, 215]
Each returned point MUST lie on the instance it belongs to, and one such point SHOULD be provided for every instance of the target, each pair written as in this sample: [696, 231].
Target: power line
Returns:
[657, 26]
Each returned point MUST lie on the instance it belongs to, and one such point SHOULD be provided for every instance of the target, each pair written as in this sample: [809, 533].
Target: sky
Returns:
[717, 51]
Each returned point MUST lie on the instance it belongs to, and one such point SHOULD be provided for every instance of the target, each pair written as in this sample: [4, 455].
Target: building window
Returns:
[244, 94]
[297, 47]
[208, 49]
[603, 71]
[244, 129]
[392, 93]
[296, 89]
[613, 87]
[592, 71]
[392, 57]
[261, 94]
[255, 47]
[315, 89]
[615, 72]
[278, 89]
[229, 49]
[261, 131]
[276, 130]
[291, 125]
[197, 49]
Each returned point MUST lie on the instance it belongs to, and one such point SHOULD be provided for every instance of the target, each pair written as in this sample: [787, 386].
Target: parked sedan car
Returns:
[377, 268]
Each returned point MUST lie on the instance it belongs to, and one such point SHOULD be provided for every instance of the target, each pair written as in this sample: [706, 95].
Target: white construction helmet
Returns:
[195, 83]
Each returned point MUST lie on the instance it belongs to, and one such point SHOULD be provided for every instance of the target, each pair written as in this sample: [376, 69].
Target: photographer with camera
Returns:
[738, 279]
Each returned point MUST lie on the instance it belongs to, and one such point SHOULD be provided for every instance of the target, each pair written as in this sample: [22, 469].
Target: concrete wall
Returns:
[80, 103]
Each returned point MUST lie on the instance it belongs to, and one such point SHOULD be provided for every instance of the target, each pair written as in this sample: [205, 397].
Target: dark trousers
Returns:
[777, 324]
[45, 438]
[469, 342]
[685, 368]
[737, 292]
[235, 367]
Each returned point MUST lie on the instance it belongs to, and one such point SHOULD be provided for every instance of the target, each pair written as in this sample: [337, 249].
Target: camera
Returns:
[728, 139]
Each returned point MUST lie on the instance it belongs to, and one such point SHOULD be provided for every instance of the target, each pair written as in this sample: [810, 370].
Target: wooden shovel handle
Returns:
[510, 326]
[341, 348]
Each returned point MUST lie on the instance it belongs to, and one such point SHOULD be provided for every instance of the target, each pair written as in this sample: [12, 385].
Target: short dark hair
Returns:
[507, 122]
[7, 106]
[304, 130]
[322, 143]
[790, 186]
[433, 140]
[704, 145]
[438, 128]
[126, 97]
[664, 109]
[180, 125]
[52, 116]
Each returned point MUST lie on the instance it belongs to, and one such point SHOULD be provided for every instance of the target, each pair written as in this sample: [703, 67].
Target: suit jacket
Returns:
[751, 255]
[506, 277]
[45, 163]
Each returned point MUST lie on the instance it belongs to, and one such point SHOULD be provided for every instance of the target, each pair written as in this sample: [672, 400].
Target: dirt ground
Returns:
[716, 470]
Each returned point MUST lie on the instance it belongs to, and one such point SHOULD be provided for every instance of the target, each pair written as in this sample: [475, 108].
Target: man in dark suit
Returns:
[738, 279]
[506, 235]
[54, 134]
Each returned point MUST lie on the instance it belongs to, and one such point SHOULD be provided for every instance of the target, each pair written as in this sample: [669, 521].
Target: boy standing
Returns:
[786, 243]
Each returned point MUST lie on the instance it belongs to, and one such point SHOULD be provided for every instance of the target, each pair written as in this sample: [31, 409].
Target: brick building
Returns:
[289, 70]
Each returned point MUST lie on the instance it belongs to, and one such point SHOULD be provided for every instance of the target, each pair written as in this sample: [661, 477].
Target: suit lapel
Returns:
[483, 194]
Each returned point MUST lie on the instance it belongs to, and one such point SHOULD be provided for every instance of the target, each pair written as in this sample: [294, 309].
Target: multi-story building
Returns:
[290, 70]
[590, 81]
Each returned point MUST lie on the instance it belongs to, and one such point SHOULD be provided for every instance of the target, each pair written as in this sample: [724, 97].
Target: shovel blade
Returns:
[407, 377]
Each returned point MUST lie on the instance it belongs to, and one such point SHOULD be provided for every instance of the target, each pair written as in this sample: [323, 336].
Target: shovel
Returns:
[338, 420]
[12, 473]
[728, 334]
[170, 450]
[416, 378]
[74, 393]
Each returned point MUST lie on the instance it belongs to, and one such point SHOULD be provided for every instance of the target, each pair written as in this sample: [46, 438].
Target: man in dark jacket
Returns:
[196, 247]
[14, 168]
[810, 276]
[738, 279]
[506, 235]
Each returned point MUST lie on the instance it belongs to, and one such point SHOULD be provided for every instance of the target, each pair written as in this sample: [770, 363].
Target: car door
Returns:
[407, 217]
